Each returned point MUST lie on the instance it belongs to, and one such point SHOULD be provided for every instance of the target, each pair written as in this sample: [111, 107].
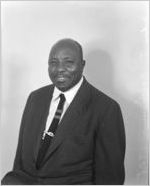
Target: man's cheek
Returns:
[72, 69]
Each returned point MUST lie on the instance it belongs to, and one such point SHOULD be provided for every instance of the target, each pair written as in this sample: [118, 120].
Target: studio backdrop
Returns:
[114, 36]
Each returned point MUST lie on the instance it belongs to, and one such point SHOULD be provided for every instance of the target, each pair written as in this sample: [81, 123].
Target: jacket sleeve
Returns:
[110, 148]
[17, 162]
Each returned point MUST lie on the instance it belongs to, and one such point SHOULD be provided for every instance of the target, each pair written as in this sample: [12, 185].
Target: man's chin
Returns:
[62, 86]
[63, 89]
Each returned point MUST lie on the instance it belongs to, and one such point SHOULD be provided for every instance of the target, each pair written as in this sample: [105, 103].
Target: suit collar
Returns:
[69, 94]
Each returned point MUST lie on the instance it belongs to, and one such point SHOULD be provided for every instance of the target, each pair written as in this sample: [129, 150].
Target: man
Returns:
[71, 133]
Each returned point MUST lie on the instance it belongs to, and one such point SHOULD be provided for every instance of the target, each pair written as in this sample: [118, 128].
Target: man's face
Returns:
[65, 66]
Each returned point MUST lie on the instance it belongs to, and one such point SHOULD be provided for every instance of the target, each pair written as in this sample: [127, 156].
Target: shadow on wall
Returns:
[100, 72]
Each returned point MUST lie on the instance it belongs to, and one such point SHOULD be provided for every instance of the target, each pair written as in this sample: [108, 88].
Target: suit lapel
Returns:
[69, 120]
[43, 113]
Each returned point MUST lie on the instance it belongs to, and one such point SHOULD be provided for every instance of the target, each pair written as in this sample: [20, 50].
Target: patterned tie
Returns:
[48, 135]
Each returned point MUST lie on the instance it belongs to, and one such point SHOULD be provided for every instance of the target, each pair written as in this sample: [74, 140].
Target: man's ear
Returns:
[83, 62]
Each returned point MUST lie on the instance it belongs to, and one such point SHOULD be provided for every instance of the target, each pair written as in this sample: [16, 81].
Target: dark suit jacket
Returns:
[88, 147]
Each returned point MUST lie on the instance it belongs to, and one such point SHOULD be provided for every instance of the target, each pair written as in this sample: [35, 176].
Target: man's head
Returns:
[66, 64]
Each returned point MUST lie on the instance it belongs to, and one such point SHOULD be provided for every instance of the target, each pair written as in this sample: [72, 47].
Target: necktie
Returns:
[47, 136]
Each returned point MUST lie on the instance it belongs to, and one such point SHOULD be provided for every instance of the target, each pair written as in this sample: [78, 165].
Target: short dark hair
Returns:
[71, 41]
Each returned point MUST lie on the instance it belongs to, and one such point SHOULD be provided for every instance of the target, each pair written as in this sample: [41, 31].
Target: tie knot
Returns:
[62, 97]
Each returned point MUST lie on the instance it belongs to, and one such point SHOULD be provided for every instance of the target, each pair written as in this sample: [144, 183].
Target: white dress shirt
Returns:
[69, 95]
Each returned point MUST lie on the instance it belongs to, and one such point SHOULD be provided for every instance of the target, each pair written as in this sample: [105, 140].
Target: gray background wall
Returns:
[114, 36]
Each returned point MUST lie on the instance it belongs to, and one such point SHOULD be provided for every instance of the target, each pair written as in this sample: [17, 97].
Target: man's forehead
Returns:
[67, 42]
[65, 45]
[69, 46]
[65, 48]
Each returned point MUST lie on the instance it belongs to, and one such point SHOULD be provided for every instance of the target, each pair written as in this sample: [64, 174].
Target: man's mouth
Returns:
[61, 78]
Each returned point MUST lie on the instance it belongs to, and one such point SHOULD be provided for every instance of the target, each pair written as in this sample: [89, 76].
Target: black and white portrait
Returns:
[74, 92]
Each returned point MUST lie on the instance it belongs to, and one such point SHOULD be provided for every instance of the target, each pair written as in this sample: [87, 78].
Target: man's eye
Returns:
[53, 62]
[69, 62]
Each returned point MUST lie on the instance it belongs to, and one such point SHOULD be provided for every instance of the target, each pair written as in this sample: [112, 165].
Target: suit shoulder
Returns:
[102, 103]
[42, 90]
[101, 97]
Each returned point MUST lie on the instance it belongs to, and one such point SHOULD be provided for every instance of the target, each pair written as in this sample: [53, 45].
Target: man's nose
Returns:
[60, 67]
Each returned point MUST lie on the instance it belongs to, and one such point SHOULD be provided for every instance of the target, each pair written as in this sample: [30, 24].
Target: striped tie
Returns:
[48, 135]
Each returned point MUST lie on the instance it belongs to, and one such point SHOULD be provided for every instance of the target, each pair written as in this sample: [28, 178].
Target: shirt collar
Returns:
[69, 94]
